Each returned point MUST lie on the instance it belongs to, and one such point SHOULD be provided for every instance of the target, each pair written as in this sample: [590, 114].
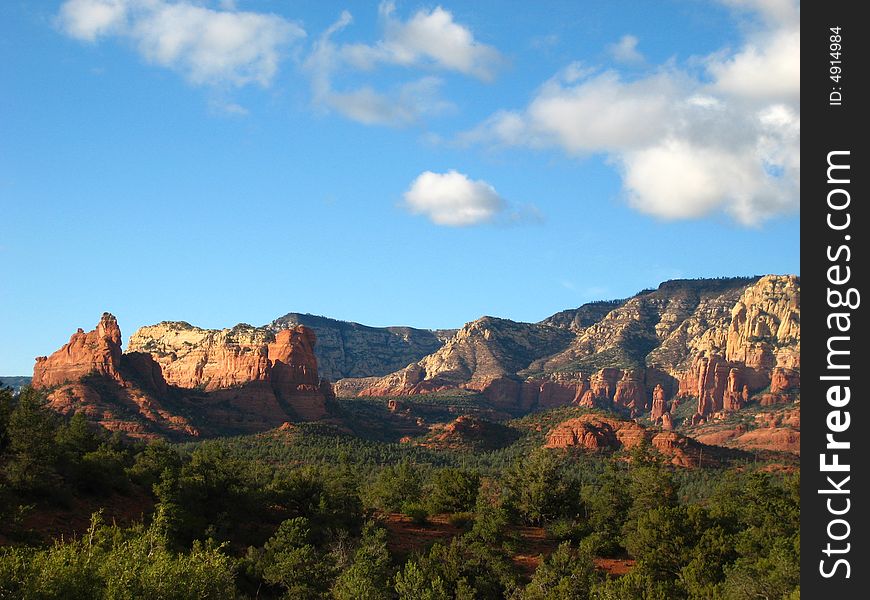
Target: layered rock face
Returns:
[191, 357]
[597, 433]
[90, 374]
[756, 346]
[209, 359]
[98, 351]
[235, 380]
[346, 349]
[483, 356]
[714, 342]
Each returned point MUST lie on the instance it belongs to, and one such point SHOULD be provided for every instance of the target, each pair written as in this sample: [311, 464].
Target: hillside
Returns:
[717, 343]
[347, 349]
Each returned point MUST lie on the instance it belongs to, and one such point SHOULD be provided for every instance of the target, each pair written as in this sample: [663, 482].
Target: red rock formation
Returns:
[720, 341]
[264, 383]
[293, 372]
[778, 439]
[409, 381]
[631, 392]
[140, 367]
[603, 383]
[292, 360]
[594, 432]
[551, 393]
[502, 392]
[98, 352]
[784, 379]
[658, 403]
[708, 380]
[736, 393]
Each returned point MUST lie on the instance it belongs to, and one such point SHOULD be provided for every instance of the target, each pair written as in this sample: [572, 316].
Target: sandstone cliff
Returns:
[484, 355]
[98, 351]
[186, 381]
[717, 343]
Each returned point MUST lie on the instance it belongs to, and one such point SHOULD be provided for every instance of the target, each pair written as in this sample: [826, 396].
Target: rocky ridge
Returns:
[717, 343]
[348, 349]
[192, 382]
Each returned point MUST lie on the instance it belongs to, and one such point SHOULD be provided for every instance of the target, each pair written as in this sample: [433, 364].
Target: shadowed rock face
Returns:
[346, 349]
[717, 342]
[469, 432]
[187, 381]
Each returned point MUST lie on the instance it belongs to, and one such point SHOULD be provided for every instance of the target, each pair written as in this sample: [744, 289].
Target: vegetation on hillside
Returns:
[303, 513]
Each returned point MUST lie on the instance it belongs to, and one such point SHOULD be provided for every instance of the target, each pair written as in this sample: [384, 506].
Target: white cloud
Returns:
[775, 13]
[765, 69]
[600, 113]
[433, 36]
[88, 19]
[453, 199]
[207, 46]
[685, 146]
[430, 38]
[625, 50]
[427, 38]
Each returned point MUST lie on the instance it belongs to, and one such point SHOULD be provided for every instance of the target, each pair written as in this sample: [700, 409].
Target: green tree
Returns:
[413, 584]
[33, 454]
[291, 562]
[112, 563]
[567, 574]
[396, 486]
[537, 490]
[661, 542]
[149, 464]
[608, 503]
[6, 408]
[491, 518]
[452, 490]
[367, 578]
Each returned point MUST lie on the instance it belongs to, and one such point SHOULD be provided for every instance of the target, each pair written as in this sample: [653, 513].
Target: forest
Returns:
[318, 513]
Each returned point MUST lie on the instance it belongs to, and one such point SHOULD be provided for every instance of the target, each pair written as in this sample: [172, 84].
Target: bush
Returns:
[112, 563]
[452, 490]
[416, 511]
[463, 520]
[567, 574]
[566, 530]
[394, 487]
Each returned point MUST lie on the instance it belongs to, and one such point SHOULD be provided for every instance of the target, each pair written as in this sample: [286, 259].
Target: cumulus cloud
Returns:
[430, 38]
[207, 46]
[686, 145]
[88, 19]
[625, 50]
[453, 199]
[597, 113]
[433, 36]
[765, 69]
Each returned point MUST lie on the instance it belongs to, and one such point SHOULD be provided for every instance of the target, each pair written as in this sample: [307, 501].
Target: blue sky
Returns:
[387, 163]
